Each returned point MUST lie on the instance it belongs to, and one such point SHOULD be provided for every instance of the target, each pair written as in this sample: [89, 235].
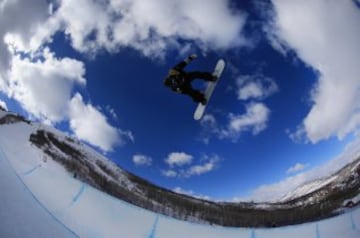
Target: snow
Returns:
[308, 188]
[92, 156]
[41, 199]
[355, 200]
[20, 212]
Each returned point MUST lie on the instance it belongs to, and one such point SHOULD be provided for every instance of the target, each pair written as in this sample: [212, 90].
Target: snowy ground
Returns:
[40, 199]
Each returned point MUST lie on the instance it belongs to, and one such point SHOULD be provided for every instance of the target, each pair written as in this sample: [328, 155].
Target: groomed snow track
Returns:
[39, 198]
[38, 203]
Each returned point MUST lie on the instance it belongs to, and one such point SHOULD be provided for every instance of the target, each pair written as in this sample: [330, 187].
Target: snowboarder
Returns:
[180, 81]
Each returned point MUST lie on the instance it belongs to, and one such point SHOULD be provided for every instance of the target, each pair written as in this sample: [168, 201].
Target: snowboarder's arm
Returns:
[180, 66]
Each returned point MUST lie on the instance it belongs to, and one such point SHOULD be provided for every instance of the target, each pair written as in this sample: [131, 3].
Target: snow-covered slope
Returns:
[348, 178]
[40, 198]
[308, 188]
[46, 158]
[20, 212]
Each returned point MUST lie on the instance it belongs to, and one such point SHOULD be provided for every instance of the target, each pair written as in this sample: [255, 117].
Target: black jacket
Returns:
[176, 79]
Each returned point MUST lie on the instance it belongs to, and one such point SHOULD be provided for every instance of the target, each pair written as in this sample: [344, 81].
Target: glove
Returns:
[190, 58]
[193, 56]
[178, 90]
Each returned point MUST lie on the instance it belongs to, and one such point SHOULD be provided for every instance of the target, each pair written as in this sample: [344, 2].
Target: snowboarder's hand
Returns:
[193, 56]
[178, 90]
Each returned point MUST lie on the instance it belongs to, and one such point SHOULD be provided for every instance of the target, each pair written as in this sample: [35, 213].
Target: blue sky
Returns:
[285, 111]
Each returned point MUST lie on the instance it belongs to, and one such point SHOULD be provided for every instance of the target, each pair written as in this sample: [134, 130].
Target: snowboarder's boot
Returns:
[214, 78]
[203, 101]
[199, 97]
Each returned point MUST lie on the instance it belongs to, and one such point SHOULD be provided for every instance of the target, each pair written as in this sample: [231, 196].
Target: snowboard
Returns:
[200, 109]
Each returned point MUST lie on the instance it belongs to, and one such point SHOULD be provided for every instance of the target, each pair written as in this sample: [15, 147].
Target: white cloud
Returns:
[190, 193]
[148, 26]
[298, 136]
[20, 22]
[254, 119]
[178, 159]
[91, 126]
[142, 160]
[180, 18]
[42, 83]
[275, 191]
[3, 105]
[201, 169]
[43, 87]
[185, 167]
[297, 168]
[169, 173]
[207, 165]
[255, 87]
[183, 191]
[325, 34]
[112, 112]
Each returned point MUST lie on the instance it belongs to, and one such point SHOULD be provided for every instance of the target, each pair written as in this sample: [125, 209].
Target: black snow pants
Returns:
[188, 77]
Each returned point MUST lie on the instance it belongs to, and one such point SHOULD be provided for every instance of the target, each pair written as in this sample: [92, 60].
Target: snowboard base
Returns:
[200, 109]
